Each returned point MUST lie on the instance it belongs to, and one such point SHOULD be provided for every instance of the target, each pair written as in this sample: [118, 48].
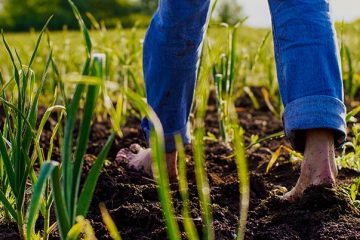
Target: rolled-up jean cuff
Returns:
[169, 138]
[314, 112]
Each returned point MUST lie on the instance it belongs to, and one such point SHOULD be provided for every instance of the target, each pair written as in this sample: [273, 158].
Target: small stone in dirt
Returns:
[215, 179]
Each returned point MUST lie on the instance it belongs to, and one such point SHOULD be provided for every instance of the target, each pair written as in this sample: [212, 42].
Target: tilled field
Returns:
[323, 213]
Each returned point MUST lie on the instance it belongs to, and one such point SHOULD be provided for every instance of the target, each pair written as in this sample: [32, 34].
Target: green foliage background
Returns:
[22, 15]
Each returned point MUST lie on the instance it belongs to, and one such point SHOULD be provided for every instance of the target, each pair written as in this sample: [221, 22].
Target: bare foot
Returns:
[139, 159]
[318, 167]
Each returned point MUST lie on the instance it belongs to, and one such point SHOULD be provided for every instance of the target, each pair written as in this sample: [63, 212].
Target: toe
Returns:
[141, 162]
[292, 196]
[124, 155]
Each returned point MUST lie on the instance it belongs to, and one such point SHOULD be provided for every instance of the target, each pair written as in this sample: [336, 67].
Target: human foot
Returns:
[318, 167]
[139, 159]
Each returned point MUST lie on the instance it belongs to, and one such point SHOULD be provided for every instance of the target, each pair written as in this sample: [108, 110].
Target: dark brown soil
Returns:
[323, 213]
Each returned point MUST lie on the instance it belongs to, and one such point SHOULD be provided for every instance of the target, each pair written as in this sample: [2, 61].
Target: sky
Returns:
[259, 15]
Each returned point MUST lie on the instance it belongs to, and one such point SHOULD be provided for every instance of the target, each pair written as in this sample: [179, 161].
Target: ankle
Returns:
[320, 144]
[171, 162]
[319, 156]
[320, 136]
[171, 158]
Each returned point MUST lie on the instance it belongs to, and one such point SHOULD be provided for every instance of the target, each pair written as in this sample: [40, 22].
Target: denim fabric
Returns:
[307, 59]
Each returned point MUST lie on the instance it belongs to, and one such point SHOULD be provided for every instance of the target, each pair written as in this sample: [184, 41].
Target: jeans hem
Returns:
[169, 138]
[314, 112]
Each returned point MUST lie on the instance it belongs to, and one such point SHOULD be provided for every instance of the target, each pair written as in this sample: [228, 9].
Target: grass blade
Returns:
[20, 115]
[269, 137]
[68, 142]
[72, 110]
[76, 229]
[243, 175]
[82, 226]
[33, 112]
[350, 80]
[273, 159]
[62, 215]
[83, 139]
[82, 27]
[91, 98]
[233, 53]
[7, 164]
[38, 43]
[7, 205]
[189, 225]
[277, 153]
[351, 115]
[109, 223]
[203, 184]
[45, 173]
[161, 177]
[92, 178]
[159, 165]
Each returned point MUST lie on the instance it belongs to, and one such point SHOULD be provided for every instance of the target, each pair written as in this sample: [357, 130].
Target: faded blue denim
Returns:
[307, 59]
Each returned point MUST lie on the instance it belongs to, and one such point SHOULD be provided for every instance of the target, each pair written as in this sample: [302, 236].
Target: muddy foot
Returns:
[136, 158]
[139, 159]
[302, 185]
[318, 167]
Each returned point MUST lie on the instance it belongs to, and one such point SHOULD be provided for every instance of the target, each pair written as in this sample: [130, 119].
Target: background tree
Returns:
[21, 15]
[229, 11]
[148, 6]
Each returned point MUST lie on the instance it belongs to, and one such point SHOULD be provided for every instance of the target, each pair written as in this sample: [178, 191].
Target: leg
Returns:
[171, 51]
[318, 167]
[310, 83]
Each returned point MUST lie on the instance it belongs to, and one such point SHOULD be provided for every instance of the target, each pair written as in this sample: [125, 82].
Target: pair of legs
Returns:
[308, 70]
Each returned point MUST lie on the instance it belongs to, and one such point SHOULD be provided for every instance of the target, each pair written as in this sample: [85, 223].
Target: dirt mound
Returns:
[324, 212]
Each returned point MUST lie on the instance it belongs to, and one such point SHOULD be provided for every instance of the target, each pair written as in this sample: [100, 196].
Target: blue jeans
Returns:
[307, 59]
